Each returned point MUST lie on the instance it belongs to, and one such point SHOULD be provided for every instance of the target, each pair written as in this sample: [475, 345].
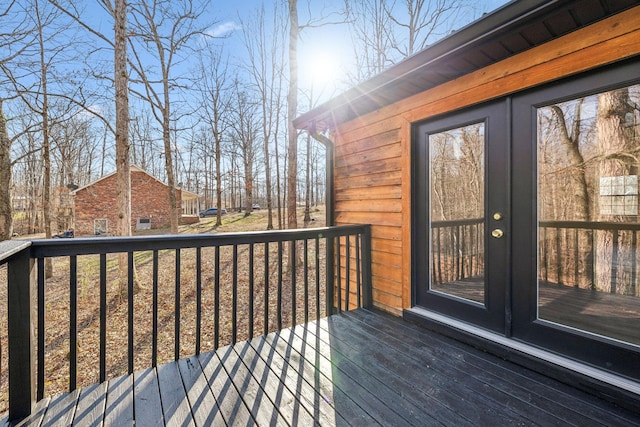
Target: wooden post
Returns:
[367, 283]
[330, 272]
[21, 321]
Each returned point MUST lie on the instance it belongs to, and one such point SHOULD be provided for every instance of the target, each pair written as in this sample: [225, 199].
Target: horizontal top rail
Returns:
[9, 248]
[454, 222]
[591, 225]
[102, 245]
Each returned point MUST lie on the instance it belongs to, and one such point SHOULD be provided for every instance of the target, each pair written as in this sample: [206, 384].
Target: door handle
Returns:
[497, 233]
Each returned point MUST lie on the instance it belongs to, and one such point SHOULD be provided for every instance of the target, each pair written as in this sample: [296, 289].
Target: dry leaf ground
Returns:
[88, 316]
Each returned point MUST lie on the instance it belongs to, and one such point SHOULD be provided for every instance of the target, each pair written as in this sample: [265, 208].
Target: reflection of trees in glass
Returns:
[457, 194]
[579, 142]
[457, 173]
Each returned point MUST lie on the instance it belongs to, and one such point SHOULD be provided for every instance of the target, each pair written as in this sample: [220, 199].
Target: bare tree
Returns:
[212, 84]
[245, 130]
[386, 31]
[372, 37]
[162, 28]
[11, 46]
[6, 214]
[265, 63]
[292, 110]
[425, 21]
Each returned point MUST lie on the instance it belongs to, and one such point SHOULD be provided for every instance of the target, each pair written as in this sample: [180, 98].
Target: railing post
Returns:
[330, 272]
[367, 284]
[21, 320]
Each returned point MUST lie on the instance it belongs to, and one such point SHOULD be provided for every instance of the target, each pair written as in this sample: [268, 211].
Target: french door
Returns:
[576, 223]
[527, 217]
[462, 215]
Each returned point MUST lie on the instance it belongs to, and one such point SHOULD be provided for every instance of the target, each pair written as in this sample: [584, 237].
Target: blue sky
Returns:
[325, 45]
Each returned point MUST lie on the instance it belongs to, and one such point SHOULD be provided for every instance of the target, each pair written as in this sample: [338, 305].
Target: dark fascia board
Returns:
[508, 16]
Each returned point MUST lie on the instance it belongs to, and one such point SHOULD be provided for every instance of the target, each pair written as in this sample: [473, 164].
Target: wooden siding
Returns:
[372, 153]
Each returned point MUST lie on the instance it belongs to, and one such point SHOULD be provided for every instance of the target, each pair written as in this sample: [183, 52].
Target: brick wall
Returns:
[149, 199]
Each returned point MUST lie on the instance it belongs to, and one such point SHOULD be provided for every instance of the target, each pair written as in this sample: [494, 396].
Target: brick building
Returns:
[94, 204]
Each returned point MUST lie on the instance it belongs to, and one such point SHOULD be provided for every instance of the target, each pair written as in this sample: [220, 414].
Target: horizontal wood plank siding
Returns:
[372, 153]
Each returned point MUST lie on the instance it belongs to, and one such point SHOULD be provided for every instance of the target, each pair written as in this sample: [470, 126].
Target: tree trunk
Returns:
[123, 166]
[218, 184]
[46, 156]
[307, 190]
[278, 186]
[248, 186]
[267, 173]
[615, 151]
[292, 100]
[6, 216]
[578, 190]
[168, 164]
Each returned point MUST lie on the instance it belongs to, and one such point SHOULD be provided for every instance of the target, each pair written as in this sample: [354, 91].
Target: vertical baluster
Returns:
[347, 268]
[251, 285]
[358, 278]
[544, 250]
[472, 249]
[103, 317]
[614, 261]
[198, 297]
[456, 253]
[154, 321]
[576, 257]
[317, 247]
[339, 275]
[330, 274]
[294, 299]
[41, 329]
[216, 292]
[306, 280]
[439, 252]
[266, 288]
[176, 341]
[634, 261]
[130, 277]
[279, 291]
[480, 232]
[234, 296]
[592, 260]
[73, 321]
[558, 256]
[463, 250]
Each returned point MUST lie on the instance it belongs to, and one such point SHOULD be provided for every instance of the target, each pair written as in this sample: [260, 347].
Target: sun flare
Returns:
[321, 69]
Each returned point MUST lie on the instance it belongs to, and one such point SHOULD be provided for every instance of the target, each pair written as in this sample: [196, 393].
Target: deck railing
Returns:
[458, 248]
[602, 256]
[264, 281]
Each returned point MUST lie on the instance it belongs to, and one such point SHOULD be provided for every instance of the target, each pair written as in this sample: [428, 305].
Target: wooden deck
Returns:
[357, 368]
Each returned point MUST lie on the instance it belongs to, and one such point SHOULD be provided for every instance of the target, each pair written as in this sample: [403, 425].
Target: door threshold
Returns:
[609, 386]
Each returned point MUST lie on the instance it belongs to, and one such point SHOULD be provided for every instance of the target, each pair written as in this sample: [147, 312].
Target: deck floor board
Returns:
[91, 406]
[454, 367]
[567, 402]
[147, 398]
[356, 368]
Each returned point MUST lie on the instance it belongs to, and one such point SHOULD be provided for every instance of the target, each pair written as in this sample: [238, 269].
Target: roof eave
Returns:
[511, 14]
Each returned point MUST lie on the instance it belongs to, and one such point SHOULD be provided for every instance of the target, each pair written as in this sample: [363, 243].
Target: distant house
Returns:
[94, 205]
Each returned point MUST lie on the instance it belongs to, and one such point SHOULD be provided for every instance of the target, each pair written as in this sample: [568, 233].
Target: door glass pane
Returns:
[588, 230]
[456, 188]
